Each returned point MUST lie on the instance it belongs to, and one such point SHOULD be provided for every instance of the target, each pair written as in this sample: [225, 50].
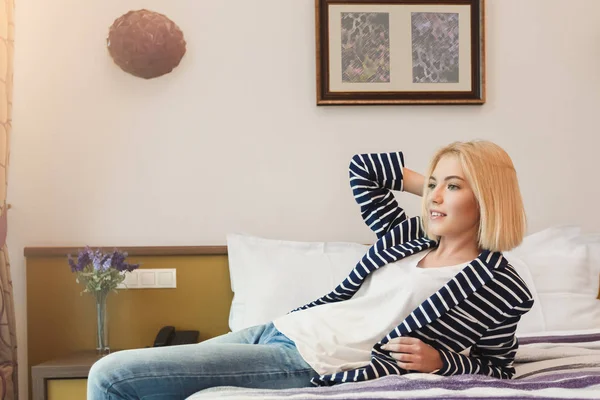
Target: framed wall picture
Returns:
[400, 52]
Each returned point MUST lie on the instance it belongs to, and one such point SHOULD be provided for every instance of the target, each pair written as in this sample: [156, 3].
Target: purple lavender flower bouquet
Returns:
[100, 273]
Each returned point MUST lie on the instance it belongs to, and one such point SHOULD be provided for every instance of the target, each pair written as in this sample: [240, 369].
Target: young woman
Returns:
[427, 290]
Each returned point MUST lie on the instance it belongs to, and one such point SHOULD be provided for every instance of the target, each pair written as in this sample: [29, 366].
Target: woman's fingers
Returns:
[406, 357]
[409, 353]
[403, 345]
[407, 366]
[400, 348]
[405, 340]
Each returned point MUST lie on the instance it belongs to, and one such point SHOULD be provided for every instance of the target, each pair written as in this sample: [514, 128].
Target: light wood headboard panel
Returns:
[60, 321]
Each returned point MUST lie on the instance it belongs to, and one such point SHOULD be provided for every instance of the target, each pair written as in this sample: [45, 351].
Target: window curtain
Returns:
[8, 339]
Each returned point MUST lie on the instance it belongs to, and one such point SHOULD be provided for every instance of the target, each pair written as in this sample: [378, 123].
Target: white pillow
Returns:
[565, 266]
[570, 311]
[532, 321]
[269, 278]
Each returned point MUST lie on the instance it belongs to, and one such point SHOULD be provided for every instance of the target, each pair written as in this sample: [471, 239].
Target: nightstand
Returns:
[63, 378]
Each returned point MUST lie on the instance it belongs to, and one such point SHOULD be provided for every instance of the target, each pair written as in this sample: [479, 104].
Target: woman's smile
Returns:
[436, 215]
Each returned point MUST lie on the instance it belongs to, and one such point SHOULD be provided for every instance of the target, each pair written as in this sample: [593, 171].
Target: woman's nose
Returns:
[436, 196]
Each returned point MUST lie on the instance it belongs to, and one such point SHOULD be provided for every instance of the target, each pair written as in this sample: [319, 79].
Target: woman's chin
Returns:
[436, 233]
[440, 233]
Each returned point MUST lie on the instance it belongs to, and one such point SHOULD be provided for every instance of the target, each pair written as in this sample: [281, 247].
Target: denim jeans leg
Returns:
[257, 357]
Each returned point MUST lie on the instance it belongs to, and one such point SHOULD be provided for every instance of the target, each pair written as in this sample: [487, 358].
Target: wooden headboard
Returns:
[60, 320]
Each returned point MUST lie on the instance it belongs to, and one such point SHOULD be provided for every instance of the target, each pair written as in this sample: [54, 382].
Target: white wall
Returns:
[232, 139]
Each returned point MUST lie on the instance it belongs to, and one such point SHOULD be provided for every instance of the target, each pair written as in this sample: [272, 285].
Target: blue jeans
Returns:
[257, 357]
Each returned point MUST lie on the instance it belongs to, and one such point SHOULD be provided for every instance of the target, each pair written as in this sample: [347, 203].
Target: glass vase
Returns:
[102, 346]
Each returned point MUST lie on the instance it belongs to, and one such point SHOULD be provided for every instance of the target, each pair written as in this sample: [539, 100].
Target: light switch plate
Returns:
[150, 278]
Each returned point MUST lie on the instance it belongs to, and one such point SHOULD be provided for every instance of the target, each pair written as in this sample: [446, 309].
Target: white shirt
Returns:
[339, 336]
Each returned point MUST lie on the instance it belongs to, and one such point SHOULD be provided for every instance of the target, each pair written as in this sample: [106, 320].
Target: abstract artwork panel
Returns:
[435, 47]
[365, 48]
[400, 52]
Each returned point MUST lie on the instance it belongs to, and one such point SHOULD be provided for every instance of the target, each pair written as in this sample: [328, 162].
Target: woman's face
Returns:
[451, 204]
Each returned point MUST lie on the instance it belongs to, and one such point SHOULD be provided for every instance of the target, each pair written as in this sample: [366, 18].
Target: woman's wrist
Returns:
[413, 182]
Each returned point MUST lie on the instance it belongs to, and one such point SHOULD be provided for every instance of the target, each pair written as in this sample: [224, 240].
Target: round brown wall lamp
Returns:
[145, 43]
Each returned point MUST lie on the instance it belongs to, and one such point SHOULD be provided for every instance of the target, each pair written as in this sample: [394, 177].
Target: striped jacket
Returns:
[478, 308]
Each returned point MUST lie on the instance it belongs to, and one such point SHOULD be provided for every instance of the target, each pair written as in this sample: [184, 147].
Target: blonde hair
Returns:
[493, 179]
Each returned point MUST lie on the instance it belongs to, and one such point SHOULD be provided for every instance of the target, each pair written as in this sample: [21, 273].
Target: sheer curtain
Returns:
[8, 338]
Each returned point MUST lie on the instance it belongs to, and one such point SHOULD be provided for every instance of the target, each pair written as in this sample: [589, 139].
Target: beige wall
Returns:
[232, 139]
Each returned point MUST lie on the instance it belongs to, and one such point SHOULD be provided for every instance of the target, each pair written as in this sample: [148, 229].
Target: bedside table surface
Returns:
[79, 358]
[72, 366]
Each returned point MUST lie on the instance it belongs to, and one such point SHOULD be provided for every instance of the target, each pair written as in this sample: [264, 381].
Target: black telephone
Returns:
[168, 336]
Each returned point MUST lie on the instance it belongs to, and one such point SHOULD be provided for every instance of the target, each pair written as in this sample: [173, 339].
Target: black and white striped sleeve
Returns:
[372, 178]
[492, 355]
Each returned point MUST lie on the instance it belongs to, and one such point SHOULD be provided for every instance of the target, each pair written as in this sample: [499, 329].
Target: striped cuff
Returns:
[446, 365]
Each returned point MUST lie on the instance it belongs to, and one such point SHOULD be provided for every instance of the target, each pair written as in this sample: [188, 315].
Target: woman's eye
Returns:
[453, 187]
[431, 186]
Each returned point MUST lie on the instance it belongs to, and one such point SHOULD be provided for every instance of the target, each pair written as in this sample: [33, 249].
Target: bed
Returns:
[548, 367]
[559, 353]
